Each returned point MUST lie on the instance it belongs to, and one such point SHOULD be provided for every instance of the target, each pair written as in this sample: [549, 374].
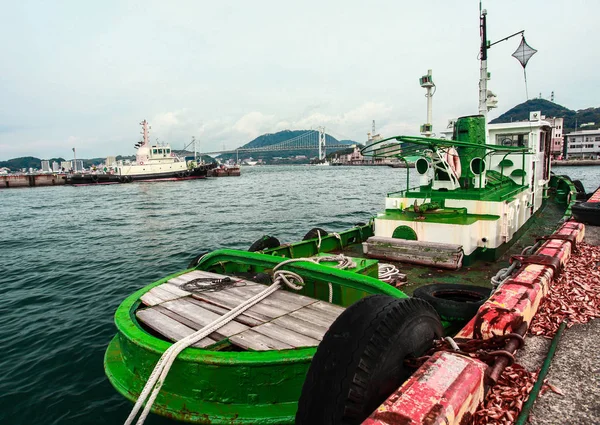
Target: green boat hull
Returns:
[216, 386]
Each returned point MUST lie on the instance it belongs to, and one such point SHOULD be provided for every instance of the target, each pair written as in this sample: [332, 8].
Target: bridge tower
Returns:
[322, 152]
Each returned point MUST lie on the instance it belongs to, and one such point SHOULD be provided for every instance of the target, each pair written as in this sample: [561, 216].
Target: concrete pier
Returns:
[31, 180]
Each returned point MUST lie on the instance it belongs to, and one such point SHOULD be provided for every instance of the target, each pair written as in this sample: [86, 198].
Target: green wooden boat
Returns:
[225, 381]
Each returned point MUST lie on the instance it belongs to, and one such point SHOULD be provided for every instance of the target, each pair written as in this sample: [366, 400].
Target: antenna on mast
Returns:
[426, 82]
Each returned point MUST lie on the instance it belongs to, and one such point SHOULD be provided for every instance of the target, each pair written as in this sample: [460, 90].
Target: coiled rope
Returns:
[388, 272]
[161, 370]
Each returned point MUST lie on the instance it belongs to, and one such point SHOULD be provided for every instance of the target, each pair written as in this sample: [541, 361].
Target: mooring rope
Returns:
[387, 272]
[161, 370]
[505, 273]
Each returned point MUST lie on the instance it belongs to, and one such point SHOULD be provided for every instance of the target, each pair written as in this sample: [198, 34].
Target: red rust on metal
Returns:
[542, 260]
[515, 302]
[442, 391]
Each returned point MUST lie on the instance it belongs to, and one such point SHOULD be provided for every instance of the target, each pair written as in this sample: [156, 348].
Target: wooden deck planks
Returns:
[202, 316]
[168, 327]
[255, 341]
[301, 326]
[285, 335]
[242, 318]
[230, 301]
[284, 320]
[310, 316]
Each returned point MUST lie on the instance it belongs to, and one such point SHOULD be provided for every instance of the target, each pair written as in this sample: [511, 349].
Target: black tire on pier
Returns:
[453, 301]
[314, 233]
[264, 243]
[587, 212]
[360, 361]
[197, 259]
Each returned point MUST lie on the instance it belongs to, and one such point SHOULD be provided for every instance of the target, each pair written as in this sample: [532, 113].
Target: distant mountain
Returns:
[572, 118]
[281, 136]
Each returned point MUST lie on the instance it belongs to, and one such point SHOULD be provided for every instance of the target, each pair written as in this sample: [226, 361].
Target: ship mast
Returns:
[144, 125]
[483, 74]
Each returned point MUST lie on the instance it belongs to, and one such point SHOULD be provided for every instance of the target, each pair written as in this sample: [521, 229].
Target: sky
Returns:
[79, 74]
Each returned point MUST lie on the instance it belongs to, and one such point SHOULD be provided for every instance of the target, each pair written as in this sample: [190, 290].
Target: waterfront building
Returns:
[111, 161]
[45, 166]
[55, 166]
[78, 165]
[557, 142]
[66, 165]
[583, 144]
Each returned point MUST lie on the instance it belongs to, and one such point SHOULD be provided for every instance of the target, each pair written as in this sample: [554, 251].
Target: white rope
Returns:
[339, 237]
[319, 243]
[161, 370]
[388, 272]
[452, 343]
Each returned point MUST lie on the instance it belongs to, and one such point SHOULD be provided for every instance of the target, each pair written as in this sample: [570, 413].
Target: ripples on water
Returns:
[70, 255]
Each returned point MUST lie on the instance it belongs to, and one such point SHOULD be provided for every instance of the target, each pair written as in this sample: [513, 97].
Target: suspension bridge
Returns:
[313, 139]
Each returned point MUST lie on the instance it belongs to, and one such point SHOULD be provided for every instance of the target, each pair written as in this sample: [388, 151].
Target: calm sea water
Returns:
[70, 255]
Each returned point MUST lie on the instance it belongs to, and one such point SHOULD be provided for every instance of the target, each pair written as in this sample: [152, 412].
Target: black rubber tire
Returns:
[314, 233]
[264, 243]
[453, 301]
[587, 212]
[360, 361]
[196, 259]
[581, 195]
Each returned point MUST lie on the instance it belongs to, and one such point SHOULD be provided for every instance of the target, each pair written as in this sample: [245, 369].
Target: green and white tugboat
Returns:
[230, 339]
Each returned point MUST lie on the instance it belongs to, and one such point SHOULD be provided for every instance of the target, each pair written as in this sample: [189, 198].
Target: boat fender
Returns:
[129, 179]
[314, 233]
[360, 360]
[452, 301]
[264, 243]
[94, 178]
[587, 212]
[453, 161]
[581, 195]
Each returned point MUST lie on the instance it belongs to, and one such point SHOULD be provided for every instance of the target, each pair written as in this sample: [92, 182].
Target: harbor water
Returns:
[70, 255]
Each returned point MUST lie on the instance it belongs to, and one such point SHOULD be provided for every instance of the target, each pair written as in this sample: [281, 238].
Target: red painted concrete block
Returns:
[444, 390]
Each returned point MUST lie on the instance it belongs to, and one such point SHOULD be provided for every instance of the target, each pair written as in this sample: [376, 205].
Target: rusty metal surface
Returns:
[446, 390]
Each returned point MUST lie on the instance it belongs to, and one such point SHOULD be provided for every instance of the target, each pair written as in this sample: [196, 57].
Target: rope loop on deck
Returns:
[387, 272]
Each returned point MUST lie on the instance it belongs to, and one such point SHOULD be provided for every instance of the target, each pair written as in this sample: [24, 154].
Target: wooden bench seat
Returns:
[284, 320]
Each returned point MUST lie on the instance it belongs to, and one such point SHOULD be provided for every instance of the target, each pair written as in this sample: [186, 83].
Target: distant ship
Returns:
[153, 163]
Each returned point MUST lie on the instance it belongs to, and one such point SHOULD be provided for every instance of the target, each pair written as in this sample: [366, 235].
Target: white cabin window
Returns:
[520, 140]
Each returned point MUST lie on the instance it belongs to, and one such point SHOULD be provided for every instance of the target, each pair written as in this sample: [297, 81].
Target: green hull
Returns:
[217, 386]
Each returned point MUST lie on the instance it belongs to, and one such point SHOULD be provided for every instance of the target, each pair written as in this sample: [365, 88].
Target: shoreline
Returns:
[575, 162]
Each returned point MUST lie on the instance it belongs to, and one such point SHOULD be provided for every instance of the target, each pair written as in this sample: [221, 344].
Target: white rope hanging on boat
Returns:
[161, 370]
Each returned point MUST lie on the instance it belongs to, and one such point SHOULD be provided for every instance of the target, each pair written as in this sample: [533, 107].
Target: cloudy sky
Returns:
[84, 74]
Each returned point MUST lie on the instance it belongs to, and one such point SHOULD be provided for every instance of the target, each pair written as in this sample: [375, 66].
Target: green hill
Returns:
[26, 162]
[281, 136]
[572, 118]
